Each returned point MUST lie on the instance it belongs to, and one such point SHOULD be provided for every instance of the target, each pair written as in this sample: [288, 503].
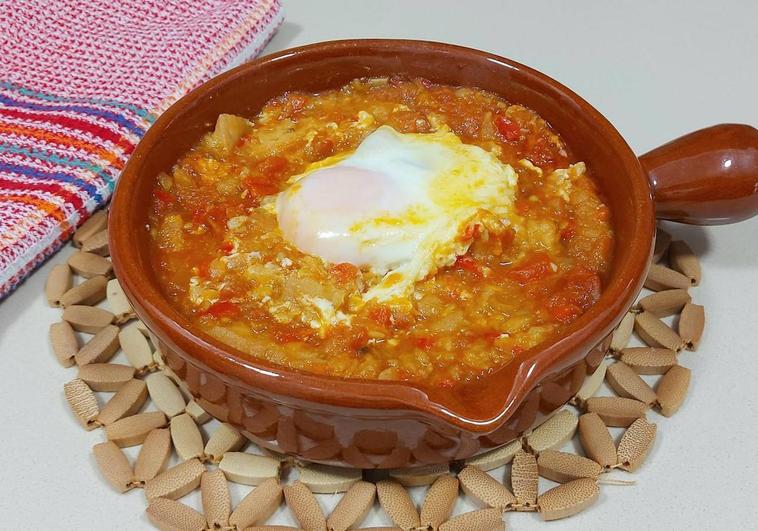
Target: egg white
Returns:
[398, 204]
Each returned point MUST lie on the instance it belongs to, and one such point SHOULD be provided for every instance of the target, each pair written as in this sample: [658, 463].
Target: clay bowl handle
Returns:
[709, 177]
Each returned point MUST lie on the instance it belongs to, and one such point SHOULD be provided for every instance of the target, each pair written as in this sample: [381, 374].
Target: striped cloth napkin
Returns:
[80, 83]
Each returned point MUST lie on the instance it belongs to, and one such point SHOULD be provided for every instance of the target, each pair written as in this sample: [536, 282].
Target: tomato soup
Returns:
[498, 265]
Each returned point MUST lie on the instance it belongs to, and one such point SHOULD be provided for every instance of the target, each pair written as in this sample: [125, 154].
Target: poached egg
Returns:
[399, 204]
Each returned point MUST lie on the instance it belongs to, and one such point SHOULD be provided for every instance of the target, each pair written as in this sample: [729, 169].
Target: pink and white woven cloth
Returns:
[80, 83]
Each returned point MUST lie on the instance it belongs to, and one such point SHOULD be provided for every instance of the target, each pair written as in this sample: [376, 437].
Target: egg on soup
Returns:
[398, 205]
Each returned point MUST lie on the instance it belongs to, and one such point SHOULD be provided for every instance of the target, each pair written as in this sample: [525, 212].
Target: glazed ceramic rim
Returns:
[234, 366]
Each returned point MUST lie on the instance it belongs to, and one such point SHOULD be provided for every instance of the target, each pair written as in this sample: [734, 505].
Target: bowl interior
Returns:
[244, 90]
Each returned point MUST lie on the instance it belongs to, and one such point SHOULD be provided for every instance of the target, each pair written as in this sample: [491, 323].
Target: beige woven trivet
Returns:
[176, 457]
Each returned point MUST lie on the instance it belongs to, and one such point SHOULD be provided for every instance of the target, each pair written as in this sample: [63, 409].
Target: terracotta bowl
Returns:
[707, 177]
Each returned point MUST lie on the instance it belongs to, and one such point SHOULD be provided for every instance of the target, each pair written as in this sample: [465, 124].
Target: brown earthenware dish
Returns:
[707, 177]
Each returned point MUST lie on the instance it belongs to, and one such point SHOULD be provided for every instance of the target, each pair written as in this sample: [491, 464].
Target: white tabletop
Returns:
[656, 70]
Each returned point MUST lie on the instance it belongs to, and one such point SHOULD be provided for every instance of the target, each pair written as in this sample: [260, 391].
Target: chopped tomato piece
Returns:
[258, 188]
[472, 231]
[203, 269]
[382, 315]
[359, 337]
[424, 342]
[217, 212]
[508, 128]
[215, 219]
[222, 309]
[164, 196]
[536, 268]
[543, 152]
[273, 165]
[507, 237]
[581, 289]
[518, 349]
[227, 293]
[344, 272]
[569, 231]
[466, 263]
[288, 334]
[584, 286]
[321, 146]
[226, 247]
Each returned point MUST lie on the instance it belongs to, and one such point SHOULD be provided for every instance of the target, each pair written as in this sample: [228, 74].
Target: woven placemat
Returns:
[159, 440]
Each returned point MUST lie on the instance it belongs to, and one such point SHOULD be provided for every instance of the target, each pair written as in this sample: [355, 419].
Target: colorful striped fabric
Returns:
[80, 83]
